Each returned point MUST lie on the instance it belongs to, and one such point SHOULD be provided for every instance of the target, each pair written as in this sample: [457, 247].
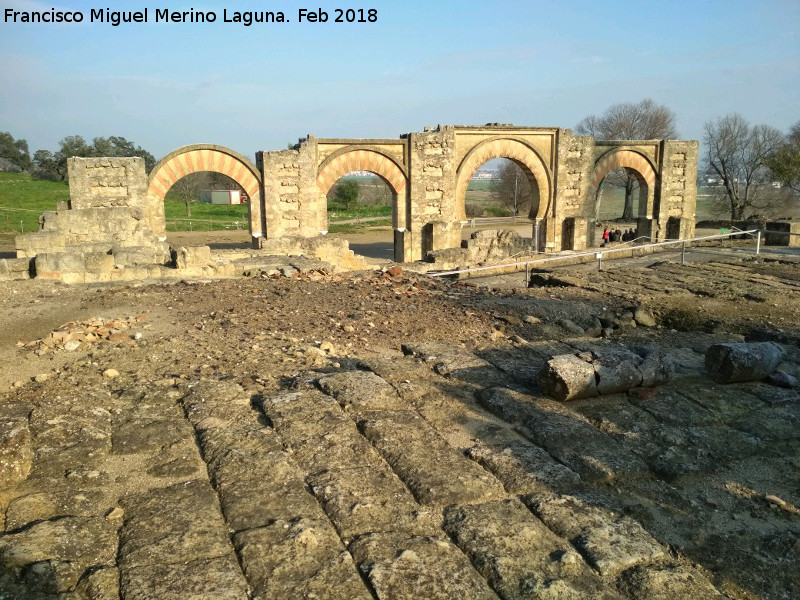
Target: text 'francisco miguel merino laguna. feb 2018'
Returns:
[165, 15]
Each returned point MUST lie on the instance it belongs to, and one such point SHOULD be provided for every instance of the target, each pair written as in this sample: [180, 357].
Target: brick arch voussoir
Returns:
[195, 159]
[361, 160]
[623, 159]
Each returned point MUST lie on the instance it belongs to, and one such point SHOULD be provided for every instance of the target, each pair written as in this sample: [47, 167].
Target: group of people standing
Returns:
[616, 235]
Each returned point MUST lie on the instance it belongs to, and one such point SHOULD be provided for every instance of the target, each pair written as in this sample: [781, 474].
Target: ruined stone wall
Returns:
[110, 210]
[107, 182]
[293, 205]
[432, 213]
[677, 192]
[113, 182]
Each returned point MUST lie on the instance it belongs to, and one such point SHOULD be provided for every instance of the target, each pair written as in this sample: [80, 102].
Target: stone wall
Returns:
[110, 210]
[293, 205]
[677, 193]
[575, 194]
[112, 183]
[432, 223]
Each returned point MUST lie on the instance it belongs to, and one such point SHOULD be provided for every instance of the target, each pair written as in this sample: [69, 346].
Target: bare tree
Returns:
[738, 153]
[187, 189]
[512, 188]
[643, 121]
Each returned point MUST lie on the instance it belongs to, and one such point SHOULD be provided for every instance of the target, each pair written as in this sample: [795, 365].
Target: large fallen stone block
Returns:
[607, 371]
[193, 256]
[733, 363]
[568, 377]
[15, 268]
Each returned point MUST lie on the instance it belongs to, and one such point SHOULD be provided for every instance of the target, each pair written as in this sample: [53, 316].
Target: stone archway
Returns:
[208, 157]
[348, 160]
[645, 174]
[522, 154]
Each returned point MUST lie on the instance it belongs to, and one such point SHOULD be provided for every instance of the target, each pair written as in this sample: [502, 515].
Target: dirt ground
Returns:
[377, 436]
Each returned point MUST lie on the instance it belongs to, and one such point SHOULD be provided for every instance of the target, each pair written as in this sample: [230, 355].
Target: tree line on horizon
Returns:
[745, 159]
[52, 166]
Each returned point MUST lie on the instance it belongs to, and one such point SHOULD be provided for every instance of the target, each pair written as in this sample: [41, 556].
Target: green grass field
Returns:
[23, 199]
[205, 217]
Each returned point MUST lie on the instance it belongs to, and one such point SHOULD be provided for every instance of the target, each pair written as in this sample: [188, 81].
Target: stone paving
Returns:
[439, 474]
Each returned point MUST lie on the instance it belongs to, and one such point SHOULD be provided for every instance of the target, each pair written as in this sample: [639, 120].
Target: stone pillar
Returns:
[573, 197]
[293, 204]
[440, 235]
[432, 191]
[676, 196]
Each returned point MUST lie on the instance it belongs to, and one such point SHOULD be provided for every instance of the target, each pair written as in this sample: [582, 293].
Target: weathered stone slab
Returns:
[255, 489]
[519, 555]
[371, 500]
[361, 391]
[611, 543]
[204, 579]
[668, 583]
[302, 558]
[134, 435]
[564, 434]
[177, 524]
[779, 424]
[49, 557]
[726, 404]
[525, 468]
[450, 361]
[672, 408]
[217, 438]
[295, 405]
[732, 363]
[403, 567]
[40, 506]
[435, 472]
[324, 440]
[222, 400]
[16, 450]
[99, 584]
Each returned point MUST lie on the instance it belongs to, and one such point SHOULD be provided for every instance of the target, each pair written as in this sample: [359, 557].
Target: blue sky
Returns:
[164, 85]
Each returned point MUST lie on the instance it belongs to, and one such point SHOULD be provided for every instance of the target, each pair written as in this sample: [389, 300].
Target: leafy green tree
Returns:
[15, 151]
[785, 161]
[645, 120]
[346, 193]
[54, 165]
[738, 154]
[46, 166]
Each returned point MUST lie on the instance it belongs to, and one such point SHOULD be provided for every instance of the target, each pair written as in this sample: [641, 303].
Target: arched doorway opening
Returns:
[361, 209]
[502, 188]
[522, 186]
[624, 196]
[207, 208]
[365, 193]
[208, 158]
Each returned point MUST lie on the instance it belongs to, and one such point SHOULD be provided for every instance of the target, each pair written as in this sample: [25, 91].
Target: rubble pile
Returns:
[84, 335]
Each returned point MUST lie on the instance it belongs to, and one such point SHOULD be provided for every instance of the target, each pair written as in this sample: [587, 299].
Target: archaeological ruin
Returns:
[115, 218]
